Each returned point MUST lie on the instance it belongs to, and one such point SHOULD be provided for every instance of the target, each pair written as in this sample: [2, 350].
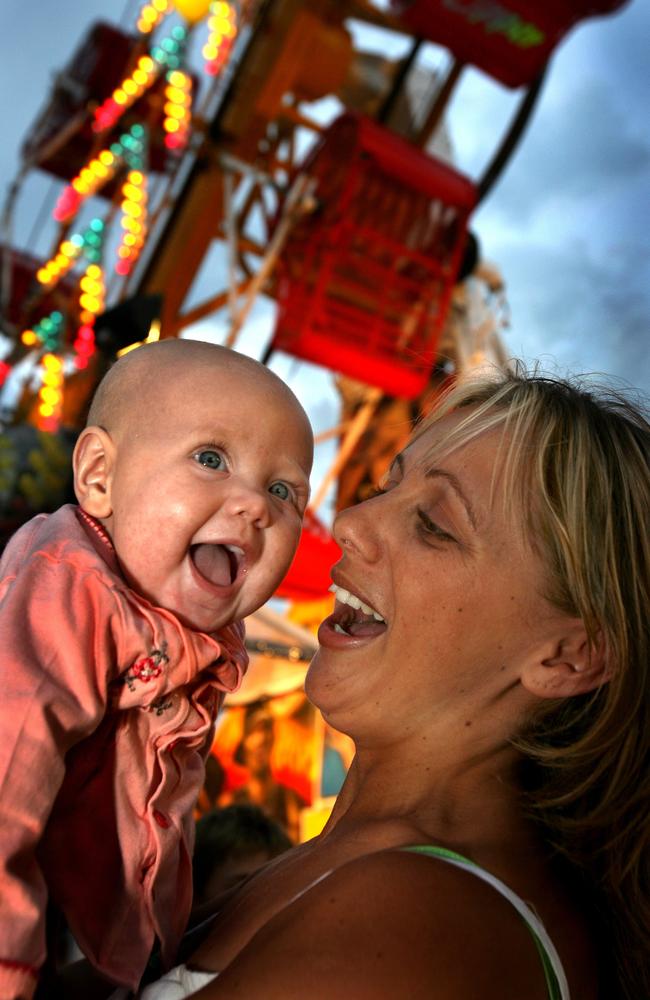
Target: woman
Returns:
[488, 653]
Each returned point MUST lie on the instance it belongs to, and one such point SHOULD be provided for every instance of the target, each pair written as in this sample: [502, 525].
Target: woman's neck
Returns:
[473, 806]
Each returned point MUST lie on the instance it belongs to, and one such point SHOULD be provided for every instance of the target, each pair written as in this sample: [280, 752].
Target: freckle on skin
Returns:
[459, 610]
[468, 723]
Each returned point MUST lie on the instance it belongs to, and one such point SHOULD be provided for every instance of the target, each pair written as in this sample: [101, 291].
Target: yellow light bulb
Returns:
[90, 303]
[132, 193]
[171, 125]
[130, 225]
[46, 410]
[49, 395]
[28, 338]
[146, 63]
[174, 110]
[130, 208]
[119, 96]
[175, 95]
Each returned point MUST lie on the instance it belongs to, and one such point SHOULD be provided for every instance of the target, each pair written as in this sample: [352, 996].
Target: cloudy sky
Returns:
[568, 223]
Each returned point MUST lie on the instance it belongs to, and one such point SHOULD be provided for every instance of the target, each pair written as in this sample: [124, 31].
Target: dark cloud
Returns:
[584, 314]
[578, 147]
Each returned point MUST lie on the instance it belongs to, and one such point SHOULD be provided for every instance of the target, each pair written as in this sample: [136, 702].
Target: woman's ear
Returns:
[569, 667]
[93, 461]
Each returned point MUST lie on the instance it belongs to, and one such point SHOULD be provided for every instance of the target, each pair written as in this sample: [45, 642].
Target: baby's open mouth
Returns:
[219, 564]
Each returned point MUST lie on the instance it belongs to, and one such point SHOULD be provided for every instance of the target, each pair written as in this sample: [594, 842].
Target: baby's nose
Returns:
[251, 504]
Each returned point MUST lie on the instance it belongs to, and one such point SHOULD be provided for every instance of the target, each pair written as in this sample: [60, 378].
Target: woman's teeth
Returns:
[344, 596]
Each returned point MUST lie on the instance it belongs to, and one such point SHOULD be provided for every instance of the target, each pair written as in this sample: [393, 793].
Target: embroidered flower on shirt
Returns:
[147, 668]
[159, 706]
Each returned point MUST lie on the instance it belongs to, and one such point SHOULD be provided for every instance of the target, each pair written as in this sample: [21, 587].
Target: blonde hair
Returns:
[577, 459]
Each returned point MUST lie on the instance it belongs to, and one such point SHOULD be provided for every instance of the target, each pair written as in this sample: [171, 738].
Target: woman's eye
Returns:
[210, 459]
[280, 490]
[429, 527]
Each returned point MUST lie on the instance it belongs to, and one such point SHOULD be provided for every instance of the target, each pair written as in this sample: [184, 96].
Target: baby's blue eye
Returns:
[280, 490]
[210, 459]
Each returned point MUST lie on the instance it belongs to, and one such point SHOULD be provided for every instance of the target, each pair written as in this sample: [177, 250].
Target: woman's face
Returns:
[440, 558]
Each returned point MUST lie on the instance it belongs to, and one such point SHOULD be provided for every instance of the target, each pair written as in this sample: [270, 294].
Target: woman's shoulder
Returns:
[393, 923]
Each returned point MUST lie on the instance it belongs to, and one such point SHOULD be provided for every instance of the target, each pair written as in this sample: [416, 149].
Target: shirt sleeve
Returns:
[57, 647]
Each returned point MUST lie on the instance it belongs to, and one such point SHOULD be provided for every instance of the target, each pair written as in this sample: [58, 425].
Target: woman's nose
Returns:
[355, 531]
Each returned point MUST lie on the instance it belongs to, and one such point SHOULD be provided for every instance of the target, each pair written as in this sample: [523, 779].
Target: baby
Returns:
[121, 630]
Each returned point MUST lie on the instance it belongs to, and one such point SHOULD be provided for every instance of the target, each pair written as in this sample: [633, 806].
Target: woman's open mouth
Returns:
[219, 564]
[352, 618]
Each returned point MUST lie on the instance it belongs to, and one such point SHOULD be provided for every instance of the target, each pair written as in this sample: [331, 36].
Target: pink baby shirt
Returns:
[107, 709]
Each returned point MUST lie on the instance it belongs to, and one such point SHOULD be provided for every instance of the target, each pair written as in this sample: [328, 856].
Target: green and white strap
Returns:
[556, 981]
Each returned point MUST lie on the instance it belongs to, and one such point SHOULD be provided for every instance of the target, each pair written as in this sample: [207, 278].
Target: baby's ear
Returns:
[92, 463]
[569, 666]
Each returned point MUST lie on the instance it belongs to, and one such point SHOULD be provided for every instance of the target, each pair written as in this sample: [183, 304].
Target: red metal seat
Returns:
[364, 281]
[62, 140]
[27, 301]
[511, 41]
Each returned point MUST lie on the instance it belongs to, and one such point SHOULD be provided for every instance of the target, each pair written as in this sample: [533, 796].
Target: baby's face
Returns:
[207, 493]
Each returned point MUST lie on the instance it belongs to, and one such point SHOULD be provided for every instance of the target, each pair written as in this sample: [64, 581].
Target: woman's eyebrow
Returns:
[435, 473]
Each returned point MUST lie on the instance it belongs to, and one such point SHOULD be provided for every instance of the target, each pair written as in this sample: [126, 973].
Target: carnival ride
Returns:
[264, 128]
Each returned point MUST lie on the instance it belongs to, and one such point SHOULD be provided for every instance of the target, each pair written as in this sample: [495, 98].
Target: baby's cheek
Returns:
[285, 552]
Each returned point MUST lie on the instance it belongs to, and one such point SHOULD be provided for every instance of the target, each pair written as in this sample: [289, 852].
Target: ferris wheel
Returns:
[201, 126]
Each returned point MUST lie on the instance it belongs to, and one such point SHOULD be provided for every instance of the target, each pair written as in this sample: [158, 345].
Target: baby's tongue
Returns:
[212, 562]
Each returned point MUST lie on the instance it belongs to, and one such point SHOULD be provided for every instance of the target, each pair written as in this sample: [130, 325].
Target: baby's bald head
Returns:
[136, 386]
